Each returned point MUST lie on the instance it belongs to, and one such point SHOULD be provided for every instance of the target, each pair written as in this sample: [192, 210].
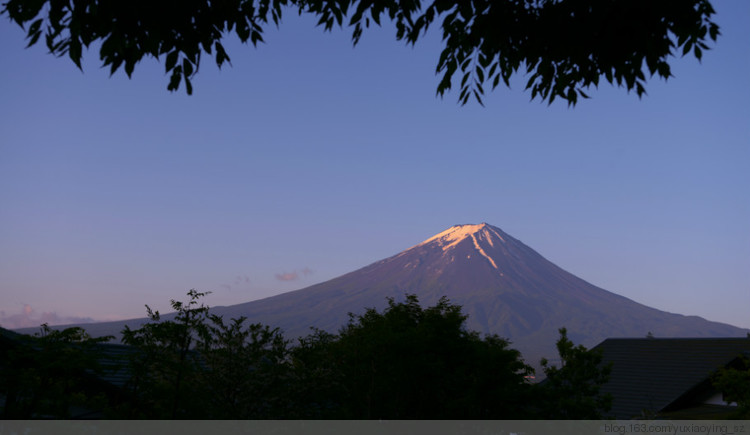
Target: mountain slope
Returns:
[503, 285]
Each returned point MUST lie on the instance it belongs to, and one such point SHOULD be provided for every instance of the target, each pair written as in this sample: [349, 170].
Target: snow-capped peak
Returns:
[455, 234]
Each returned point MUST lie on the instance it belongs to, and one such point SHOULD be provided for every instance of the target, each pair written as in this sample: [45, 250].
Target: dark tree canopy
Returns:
[734, 383]
[573, 390]
[405, 362]
[409, 362]
[563, 46]
[48, 374]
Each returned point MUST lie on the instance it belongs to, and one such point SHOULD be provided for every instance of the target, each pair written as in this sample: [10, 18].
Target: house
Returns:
[669, 377]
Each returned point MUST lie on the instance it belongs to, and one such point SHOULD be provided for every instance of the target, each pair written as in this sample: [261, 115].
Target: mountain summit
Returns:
[481, 234]
[504, 286]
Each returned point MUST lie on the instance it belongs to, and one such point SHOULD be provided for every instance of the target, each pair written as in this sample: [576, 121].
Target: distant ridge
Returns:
[504, 286]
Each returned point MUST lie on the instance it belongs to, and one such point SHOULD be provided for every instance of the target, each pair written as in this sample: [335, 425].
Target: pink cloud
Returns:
[287, 276]
[294, 275]
[28, 318]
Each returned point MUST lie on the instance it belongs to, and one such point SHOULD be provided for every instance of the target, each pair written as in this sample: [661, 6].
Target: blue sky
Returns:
[308, 159]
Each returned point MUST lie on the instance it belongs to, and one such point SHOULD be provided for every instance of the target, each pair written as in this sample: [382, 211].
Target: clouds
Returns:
[29, 318]
[294, 275]
[242, 283]
[287, 276]
[239, 281]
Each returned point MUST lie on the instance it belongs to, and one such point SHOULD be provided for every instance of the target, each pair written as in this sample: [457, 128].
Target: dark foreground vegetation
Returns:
[564, 48]
[406, 362]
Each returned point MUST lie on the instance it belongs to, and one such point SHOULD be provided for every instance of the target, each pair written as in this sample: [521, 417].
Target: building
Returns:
[669, 377]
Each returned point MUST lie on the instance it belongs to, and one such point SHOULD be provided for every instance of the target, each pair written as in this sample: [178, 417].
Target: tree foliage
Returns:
[572, 391]
[318, 382]
[734, 383]
[196, 366]
[563, 46]
[165, 367]
[404, 362]
[410, 362]
[48, 374]
[247, 373]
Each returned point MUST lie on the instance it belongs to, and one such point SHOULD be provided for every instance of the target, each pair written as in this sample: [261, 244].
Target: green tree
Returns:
[51, 373]
[564, 46]
[197, 366]
[164, 367]
[572, 391]
[734, 383]
[410, 362]
[318, 388]
[247, 370]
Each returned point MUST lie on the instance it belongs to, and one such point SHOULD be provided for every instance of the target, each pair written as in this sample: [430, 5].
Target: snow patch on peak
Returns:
[481, 251]
[453, 235]
[494, 231]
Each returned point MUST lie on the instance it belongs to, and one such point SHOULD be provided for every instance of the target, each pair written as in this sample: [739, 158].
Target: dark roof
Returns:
[7, 336]
[113, 358]
[649, 374]
[114, 363]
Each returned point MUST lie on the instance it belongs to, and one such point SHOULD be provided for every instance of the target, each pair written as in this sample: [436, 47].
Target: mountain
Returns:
[504, 286]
